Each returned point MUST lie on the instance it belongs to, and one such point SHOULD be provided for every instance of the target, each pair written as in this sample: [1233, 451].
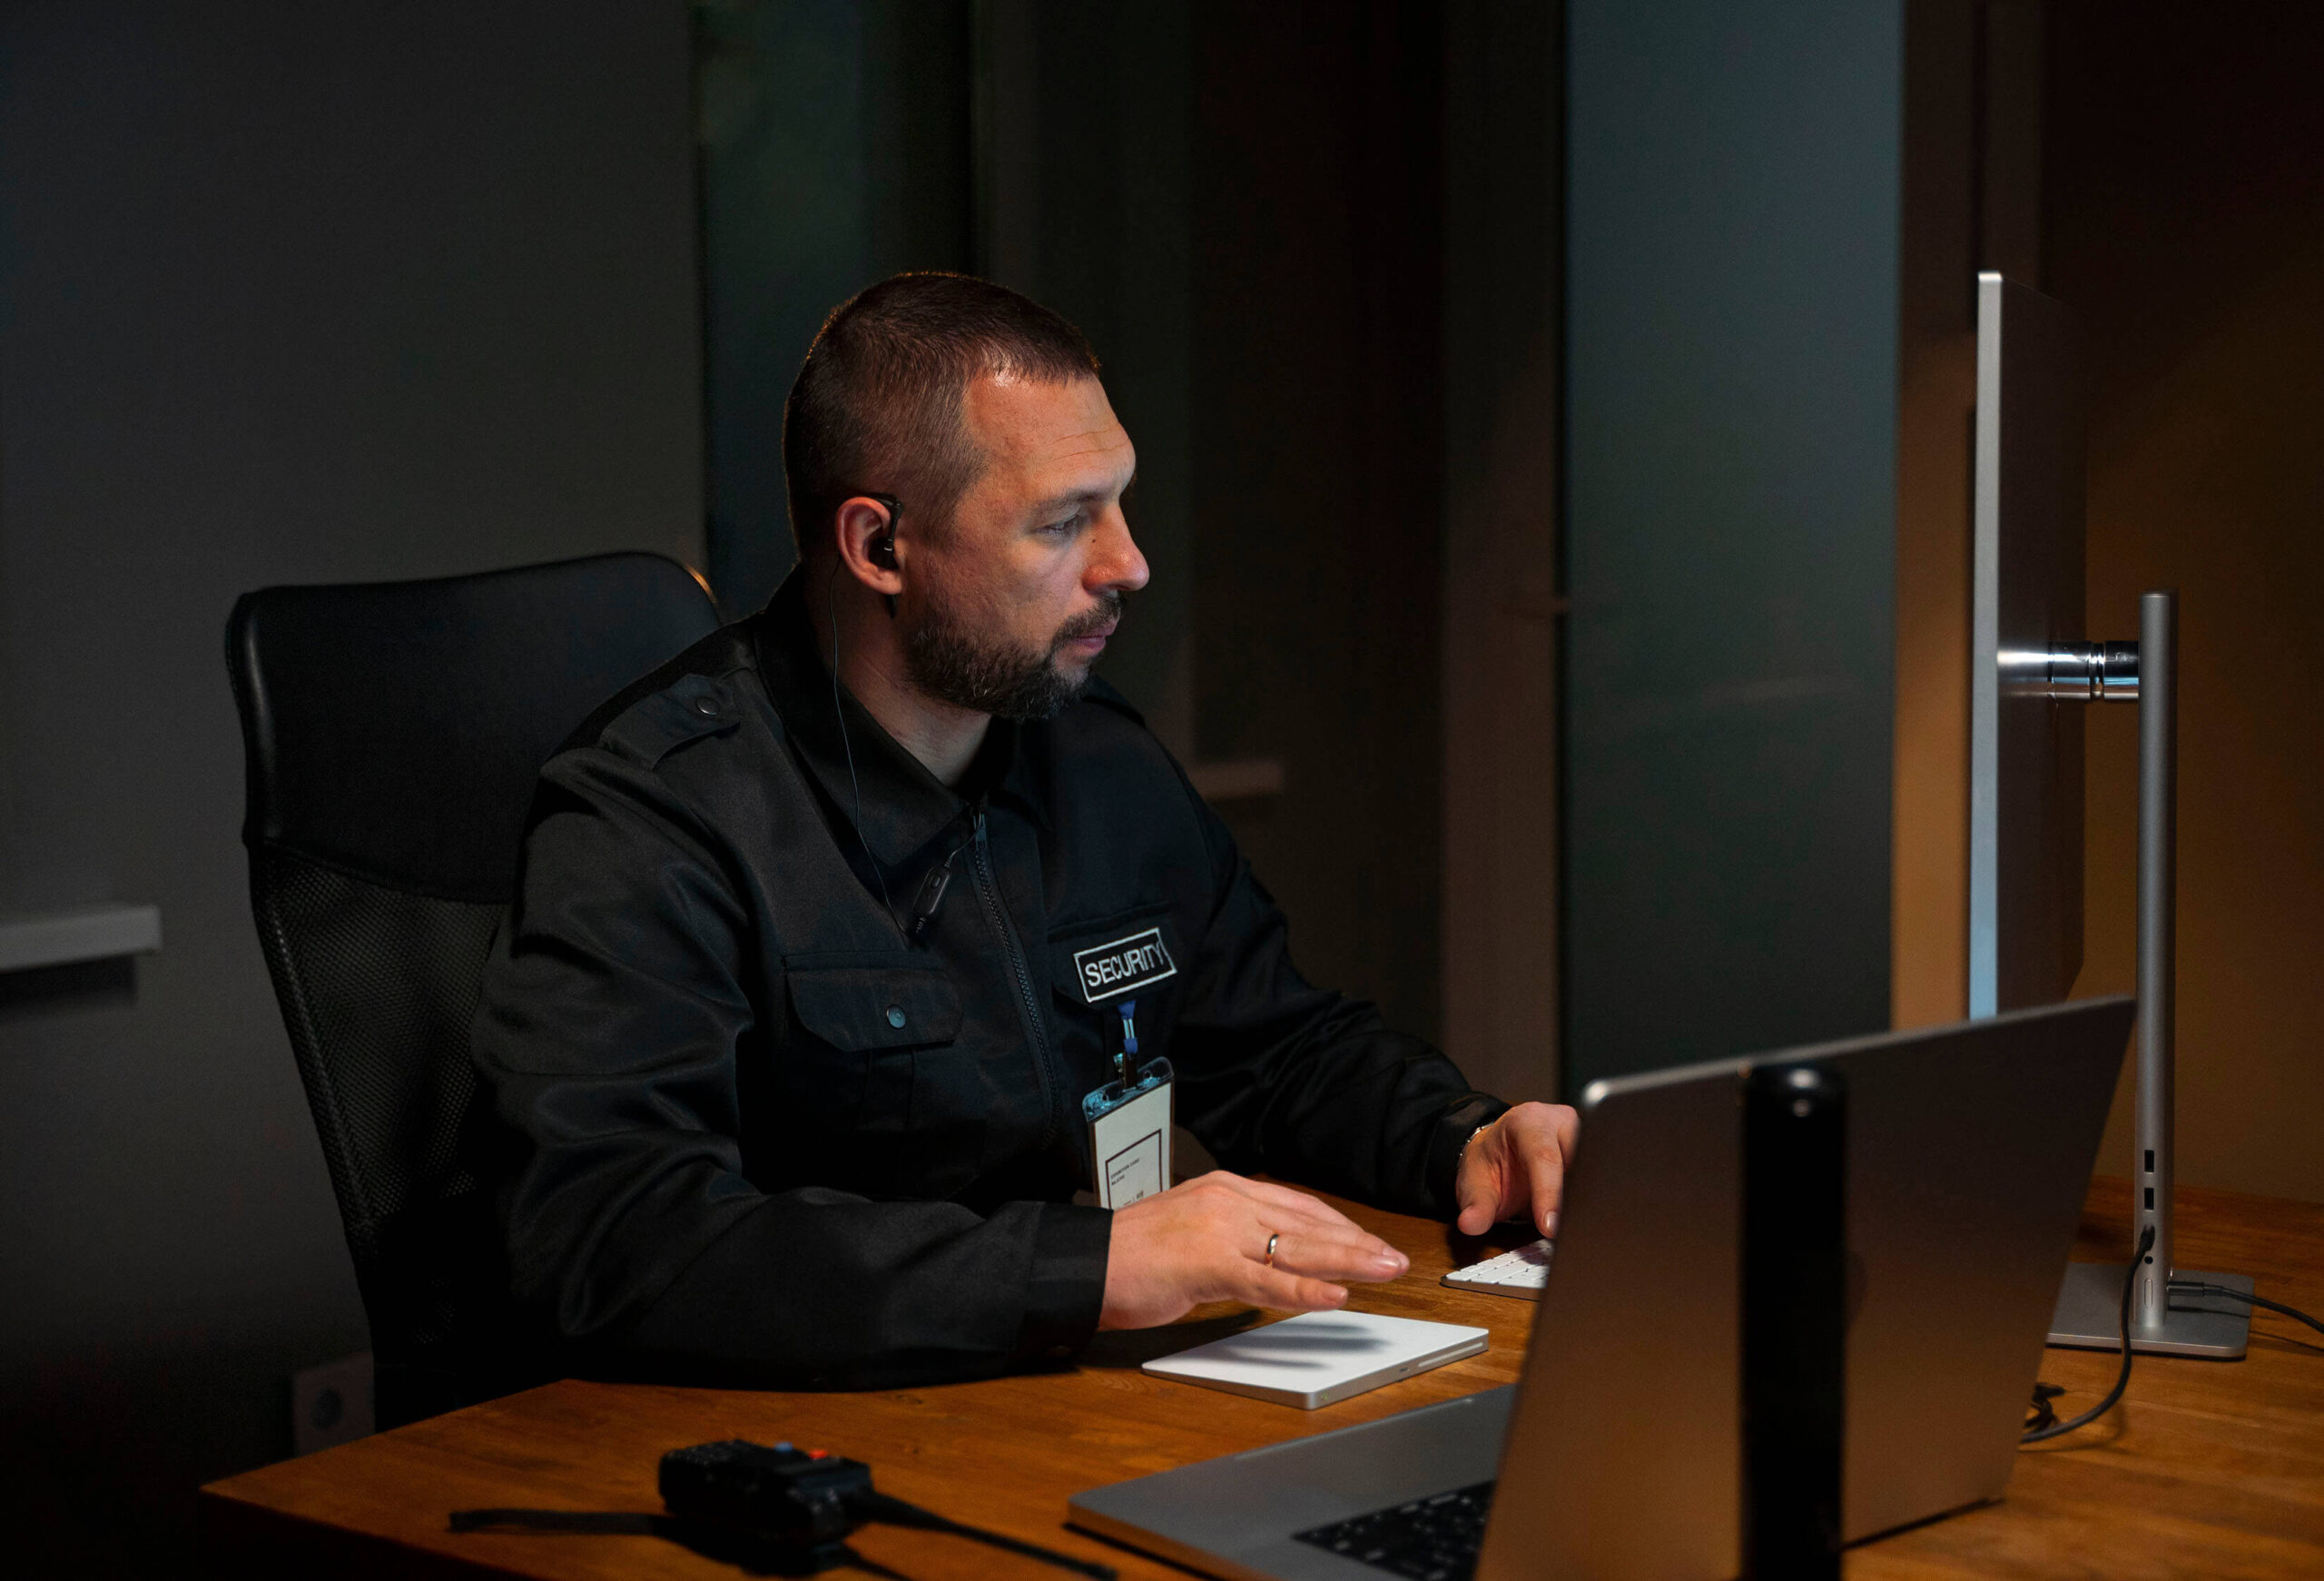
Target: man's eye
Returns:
[1062, 529]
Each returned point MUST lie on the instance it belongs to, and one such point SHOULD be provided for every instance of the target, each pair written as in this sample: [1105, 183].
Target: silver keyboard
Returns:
[1521, 1273]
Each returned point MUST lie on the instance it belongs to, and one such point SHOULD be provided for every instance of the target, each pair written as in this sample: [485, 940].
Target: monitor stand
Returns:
[2090, 1306]
[2089, 1315]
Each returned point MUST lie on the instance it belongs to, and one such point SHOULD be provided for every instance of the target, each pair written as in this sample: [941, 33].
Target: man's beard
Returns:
[951, 662]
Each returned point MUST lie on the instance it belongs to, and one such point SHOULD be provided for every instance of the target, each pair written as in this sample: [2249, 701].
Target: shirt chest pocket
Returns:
[866, 1023]
[1097, 968]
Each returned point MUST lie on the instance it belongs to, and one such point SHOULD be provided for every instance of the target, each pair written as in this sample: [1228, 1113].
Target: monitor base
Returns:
[2089, 1315]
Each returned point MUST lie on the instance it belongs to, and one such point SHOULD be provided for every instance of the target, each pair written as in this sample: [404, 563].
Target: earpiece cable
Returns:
[839, 711]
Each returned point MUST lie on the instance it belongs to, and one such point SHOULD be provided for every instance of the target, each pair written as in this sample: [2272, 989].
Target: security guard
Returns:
[827, 930]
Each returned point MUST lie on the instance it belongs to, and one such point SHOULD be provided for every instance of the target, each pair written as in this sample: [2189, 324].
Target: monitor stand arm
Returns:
[2088, 1312]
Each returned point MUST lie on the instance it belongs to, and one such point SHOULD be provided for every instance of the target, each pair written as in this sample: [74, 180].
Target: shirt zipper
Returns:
[1035, 1028]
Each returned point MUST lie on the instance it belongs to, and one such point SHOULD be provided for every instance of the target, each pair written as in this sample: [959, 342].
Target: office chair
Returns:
[392, 734]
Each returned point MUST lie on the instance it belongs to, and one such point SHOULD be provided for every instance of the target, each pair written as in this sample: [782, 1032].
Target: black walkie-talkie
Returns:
[805, 1502]
[774, 1509]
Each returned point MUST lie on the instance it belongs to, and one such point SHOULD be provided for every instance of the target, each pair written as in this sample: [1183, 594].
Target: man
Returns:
[786, 1028]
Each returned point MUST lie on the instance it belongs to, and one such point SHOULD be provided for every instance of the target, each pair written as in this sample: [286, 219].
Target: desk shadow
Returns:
[1136, 1346]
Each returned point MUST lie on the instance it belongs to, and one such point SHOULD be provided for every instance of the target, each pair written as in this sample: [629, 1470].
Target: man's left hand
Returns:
[1515, 1167]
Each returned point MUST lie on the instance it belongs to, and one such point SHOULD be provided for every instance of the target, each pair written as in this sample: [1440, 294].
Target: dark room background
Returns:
[287, 293]
[1552, 441]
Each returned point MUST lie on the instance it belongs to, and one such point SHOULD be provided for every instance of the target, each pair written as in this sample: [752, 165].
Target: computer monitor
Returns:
[2025, 744]
[2031, 672]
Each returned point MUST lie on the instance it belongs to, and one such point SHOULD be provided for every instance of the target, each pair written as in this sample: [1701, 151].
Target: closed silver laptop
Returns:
[1617, 1454]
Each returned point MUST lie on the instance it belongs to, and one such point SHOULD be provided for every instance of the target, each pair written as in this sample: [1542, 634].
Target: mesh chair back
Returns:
[393, 734]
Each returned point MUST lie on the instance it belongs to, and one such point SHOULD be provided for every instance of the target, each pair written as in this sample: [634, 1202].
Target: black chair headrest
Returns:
[395, 731]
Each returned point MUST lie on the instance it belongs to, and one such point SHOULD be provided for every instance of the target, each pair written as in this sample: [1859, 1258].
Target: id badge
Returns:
[1129, 1124]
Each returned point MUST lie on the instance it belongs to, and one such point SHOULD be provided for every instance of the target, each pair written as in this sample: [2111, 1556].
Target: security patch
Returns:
[1123, 967]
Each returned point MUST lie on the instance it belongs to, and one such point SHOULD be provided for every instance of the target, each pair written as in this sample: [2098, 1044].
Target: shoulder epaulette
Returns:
[659, 723]
[660, 711]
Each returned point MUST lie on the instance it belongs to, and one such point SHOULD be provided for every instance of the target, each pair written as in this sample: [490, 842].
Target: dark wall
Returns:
[1730, 472]
[1083, 117]
[1318, 439]
[1504, 317]
[287, 293]
[2184, 199]
[836, 150]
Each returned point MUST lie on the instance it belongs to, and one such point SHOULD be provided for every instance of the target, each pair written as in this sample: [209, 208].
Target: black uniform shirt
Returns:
[753, 1130]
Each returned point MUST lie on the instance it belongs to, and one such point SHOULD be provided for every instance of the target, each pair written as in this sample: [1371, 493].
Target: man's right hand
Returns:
[1206, 1240]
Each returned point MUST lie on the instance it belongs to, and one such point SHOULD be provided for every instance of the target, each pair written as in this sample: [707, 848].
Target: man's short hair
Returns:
[877, 405]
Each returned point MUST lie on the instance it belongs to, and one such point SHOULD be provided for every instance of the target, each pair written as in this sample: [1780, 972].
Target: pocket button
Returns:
[895, 1015]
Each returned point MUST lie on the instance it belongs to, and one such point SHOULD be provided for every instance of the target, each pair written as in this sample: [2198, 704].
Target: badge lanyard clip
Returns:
[1129, 1123]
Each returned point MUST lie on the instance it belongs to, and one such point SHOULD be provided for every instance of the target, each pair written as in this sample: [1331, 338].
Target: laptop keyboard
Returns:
[1431, 1539]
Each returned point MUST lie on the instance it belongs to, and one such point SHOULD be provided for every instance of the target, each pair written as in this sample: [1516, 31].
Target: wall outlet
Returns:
[331, 1404]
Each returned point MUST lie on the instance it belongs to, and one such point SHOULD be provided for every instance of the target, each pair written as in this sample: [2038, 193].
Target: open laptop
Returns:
[1617, 1453]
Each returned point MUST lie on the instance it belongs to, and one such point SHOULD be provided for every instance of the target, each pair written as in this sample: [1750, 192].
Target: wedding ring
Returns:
[1271, 1240]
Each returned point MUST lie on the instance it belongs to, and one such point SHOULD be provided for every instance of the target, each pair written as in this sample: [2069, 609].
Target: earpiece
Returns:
[881, 550]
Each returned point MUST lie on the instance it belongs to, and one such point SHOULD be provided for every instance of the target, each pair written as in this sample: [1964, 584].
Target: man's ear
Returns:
[864, 531]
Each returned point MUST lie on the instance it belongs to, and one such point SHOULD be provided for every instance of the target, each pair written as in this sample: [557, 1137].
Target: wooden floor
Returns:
[2208, 1469]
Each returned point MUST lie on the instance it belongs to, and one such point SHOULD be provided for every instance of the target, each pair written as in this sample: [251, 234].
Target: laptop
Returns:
[1617, 1454]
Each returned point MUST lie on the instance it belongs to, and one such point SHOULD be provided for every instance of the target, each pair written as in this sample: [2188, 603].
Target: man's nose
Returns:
[1116, 566]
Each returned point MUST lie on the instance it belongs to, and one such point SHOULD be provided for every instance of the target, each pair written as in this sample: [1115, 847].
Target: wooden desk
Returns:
[2209, 1469]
